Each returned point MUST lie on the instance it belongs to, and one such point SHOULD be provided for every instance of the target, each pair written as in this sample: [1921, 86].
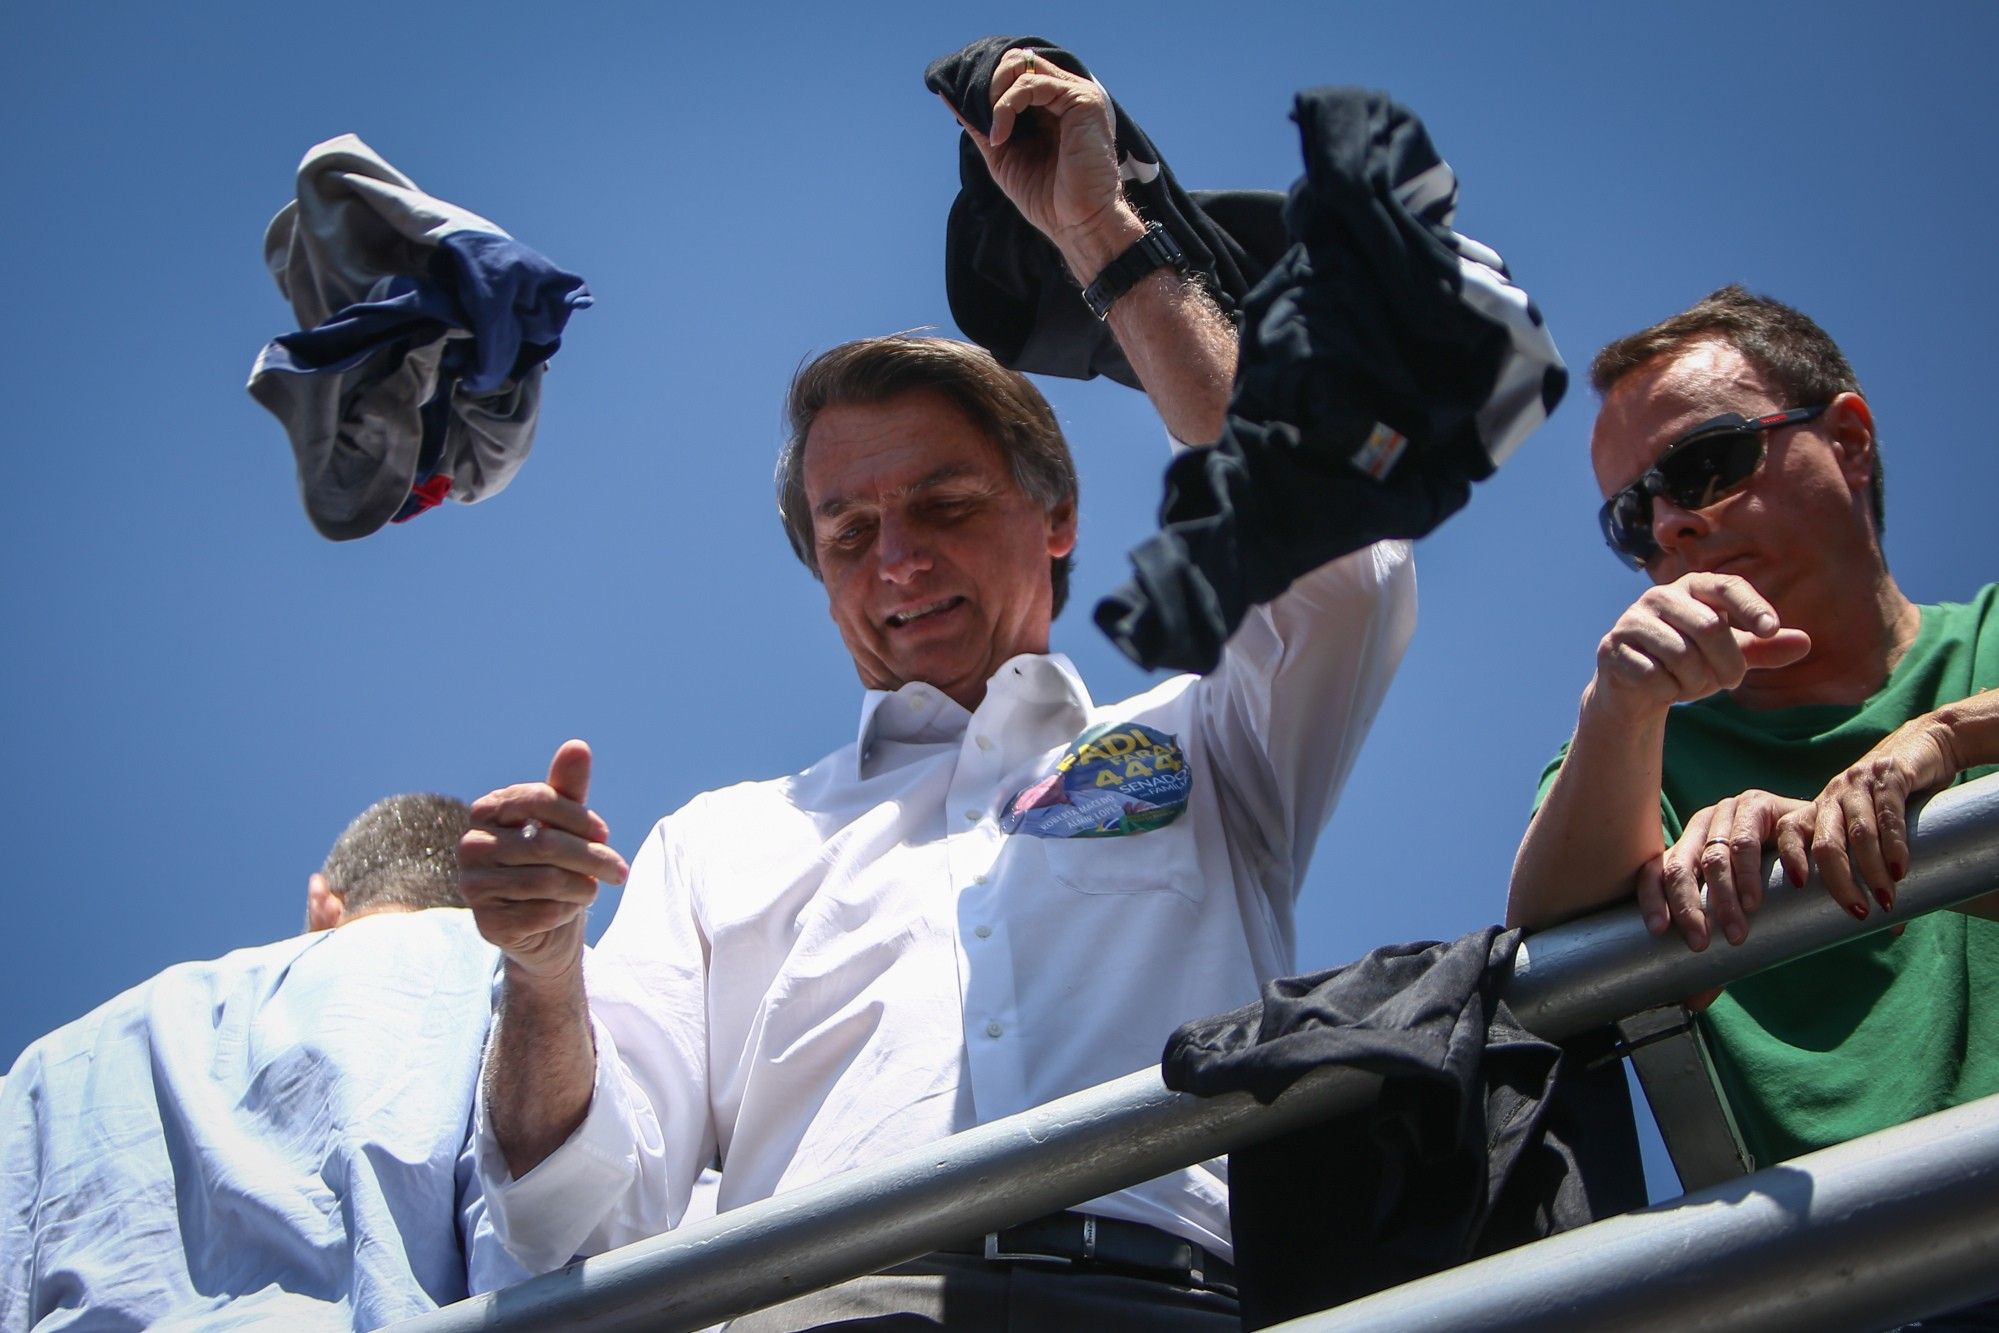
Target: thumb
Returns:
[569, 771]
[1781, 648]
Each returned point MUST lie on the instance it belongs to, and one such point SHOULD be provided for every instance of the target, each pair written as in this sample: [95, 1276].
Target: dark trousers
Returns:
[967, 1294]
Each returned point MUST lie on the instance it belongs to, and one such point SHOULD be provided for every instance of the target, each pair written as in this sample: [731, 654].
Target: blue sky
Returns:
[200, 691]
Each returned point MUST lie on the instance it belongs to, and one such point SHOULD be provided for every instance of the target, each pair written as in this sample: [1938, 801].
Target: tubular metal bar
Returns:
[1892, 1227]
[1075, 1148]
[1605, 967]
[1120, 1133]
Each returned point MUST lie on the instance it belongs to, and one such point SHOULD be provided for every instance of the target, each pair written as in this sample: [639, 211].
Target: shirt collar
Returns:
[919, 713]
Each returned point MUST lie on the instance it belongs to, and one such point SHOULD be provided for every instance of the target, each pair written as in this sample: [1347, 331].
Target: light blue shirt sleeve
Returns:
[279, 1134]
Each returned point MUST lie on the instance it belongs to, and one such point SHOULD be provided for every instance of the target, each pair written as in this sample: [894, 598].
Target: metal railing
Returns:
[1566, 980]
[1866, 1235]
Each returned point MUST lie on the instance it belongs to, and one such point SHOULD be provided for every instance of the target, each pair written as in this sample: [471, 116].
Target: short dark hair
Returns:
[1786, 345]
[400, 852]
[1000, 402]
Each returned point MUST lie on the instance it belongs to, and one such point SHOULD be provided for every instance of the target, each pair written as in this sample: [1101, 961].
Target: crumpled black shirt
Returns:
[1483, 1137]
[1380, 315]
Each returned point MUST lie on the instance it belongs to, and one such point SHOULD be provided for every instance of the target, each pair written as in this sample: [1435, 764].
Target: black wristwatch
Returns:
[1155, 249]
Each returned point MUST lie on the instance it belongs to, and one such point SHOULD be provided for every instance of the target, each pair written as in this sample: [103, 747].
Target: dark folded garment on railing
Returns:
[1387, 362]
[1008, 287]
[1483, 1137]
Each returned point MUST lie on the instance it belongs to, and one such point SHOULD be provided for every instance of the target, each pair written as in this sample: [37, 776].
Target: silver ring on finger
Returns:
[1715, 842]
[531, 830]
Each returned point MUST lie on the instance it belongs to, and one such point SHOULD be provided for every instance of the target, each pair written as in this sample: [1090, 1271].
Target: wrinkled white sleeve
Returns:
[1298, 687]
[20, 1186]
[626, 1172]
[488, 1265]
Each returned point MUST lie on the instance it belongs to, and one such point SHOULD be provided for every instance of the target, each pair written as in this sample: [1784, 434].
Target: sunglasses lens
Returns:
[1693, 475]
[1705, 470]
[1627, 526]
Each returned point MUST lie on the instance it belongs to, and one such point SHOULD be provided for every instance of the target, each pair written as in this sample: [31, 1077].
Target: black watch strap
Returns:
[1155, 249]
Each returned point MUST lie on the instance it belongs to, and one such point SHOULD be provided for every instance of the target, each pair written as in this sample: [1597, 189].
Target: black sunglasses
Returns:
[1709, 463]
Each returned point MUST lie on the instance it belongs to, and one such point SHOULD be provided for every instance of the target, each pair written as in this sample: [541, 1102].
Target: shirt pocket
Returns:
[1159, 860]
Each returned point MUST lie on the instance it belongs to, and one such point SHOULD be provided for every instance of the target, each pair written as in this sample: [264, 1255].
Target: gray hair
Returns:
[400, 852]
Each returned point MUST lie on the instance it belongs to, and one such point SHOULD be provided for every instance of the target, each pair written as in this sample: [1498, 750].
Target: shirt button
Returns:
[994, 1029]
[978, 879]
[984, 742]
[972, 816]
[984, 932]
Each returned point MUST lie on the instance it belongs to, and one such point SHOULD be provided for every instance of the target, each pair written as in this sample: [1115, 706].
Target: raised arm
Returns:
[1598, 833]
[1062, 174]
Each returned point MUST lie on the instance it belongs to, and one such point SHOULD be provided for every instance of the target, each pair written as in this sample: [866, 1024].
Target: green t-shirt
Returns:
[1880, 1031]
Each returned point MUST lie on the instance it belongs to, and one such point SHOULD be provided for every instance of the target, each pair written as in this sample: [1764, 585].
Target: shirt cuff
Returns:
[545, 1217]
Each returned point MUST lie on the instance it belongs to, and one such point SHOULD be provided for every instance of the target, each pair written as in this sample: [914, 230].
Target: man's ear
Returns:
[324, 907]
[1062, 529]
[1850, 424]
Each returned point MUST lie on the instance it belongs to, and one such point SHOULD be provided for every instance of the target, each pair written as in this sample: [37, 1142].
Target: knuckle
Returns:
[486, 807]
[475, 846]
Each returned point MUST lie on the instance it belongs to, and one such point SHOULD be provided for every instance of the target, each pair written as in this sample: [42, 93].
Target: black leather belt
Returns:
[1108, 1244]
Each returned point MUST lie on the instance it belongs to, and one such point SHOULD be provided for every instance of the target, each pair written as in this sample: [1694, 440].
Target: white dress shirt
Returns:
[276, 1138]
[810, 974]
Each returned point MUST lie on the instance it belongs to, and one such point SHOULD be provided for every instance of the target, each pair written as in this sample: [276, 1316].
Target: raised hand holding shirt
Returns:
[1387, 362]
[1008, 288]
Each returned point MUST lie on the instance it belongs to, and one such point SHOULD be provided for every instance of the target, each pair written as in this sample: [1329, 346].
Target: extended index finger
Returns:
[1740, 604]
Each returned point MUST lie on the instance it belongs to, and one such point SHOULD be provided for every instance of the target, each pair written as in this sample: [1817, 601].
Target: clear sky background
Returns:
[200, 691]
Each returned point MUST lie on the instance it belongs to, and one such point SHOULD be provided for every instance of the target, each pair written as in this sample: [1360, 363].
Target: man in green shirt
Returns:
[1774, 687]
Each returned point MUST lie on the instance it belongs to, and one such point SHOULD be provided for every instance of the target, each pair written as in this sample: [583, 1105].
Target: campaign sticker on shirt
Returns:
[1116, 778]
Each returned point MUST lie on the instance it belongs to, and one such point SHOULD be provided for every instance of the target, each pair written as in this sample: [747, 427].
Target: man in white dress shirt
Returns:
[1000, 893]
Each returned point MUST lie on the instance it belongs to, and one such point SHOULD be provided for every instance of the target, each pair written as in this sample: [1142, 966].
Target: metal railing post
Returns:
[1566, 980]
